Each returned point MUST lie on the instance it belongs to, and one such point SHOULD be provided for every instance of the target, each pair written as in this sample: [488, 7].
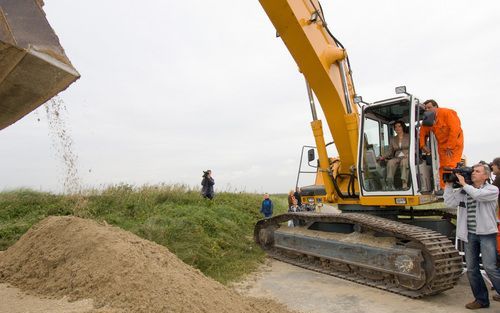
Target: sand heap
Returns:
[81, 259]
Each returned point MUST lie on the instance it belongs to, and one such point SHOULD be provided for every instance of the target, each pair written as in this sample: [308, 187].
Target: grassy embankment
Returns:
[213, 236]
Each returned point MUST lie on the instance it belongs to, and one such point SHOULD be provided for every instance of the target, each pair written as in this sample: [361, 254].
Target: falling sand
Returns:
[62, 142]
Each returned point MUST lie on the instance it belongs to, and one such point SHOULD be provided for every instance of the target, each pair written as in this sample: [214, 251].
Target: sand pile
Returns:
[81, 259]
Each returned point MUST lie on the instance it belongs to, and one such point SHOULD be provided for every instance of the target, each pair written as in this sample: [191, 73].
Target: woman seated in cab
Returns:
[397, 156]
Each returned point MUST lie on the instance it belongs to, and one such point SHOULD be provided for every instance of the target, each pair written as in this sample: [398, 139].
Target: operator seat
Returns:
[374, 173]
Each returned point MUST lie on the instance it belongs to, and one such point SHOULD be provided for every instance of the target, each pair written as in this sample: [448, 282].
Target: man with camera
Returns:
[477, 227]
[207, 191]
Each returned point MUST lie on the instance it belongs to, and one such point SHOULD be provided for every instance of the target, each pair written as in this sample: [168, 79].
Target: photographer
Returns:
[207, 191]
[477, 227]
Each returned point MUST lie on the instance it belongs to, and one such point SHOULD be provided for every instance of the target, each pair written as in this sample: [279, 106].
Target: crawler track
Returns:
[441, 261]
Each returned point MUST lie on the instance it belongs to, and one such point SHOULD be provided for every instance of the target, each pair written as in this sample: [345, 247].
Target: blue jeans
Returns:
[486, 245]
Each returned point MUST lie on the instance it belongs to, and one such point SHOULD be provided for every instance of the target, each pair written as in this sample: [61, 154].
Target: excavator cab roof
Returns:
[390, 110]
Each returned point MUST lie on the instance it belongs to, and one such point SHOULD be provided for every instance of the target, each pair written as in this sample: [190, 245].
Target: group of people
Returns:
[294, 200]
[294, 203]
[445, 124]
[478, 216]
[267, 206]
[477, 225]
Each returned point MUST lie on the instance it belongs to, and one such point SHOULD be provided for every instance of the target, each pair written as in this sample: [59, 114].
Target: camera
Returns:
[450, 177]
[205, 173]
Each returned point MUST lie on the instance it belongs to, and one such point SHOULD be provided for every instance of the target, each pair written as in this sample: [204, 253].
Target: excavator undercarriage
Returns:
[378, 252]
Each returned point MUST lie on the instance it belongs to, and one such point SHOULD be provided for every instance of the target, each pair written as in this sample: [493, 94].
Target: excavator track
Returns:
[439, 263]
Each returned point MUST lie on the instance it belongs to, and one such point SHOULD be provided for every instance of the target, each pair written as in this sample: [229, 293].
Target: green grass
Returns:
[213, 236]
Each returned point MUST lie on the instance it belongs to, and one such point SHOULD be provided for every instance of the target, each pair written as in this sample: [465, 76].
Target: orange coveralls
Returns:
[449, 135]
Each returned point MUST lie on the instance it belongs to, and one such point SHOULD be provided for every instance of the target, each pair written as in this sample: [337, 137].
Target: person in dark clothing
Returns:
[207, 183]
[297, 196]
[267, 207]
[495, 168]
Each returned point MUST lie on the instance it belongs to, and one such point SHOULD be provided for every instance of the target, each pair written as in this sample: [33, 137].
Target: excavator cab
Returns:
[416, 174]
[33, 65]
[411, 183]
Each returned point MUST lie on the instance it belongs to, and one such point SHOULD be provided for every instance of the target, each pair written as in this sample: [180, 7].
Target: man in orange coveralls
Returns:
[449, 136]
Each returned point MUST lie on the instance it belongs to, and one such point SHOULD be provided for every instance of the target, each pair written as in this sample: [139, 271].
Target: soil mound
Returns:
[81, 259]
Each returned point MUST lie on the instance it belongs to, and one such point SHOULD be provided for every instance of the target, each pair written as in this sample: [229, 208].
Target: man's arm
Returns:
[424, 133]
[454, 124]
[488, 193]
[390, 152]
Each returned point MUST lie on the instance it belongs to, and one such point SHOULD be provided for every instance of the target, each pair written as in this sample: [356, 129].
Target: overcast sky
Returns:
[171, 88]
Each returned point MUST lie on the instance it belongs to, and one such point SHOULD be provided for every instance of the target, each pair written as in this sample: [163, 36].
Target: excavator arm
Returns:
[323, 61]
[33, 65]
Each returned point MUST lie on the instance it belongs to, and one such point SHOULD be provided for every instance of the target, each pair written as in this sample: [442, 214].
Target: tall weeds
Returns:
[214, 236]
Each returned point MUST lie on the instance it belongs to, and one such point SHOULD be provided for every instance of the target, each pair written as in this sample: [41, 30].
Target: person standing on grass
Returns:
[267, 206]
[207, 183]
[477, 227]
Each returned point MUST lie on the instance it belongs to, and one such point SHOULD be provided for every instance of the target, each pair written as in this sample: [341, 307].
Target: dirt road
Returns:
[309, 291]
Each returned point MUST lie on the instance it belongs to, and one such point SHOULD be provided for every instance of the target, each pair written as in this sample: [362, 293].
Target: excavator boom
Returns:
[33, 65]
[323, 62]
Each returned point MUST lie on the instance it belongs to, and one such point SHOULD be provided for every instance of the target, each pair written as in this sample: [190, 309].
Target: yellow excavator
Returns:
[33, 65]
[379, 238]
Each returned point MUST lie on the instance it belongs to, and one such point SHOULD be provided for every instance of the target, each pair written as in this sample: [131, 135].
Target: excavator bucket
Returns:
[33, 65]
